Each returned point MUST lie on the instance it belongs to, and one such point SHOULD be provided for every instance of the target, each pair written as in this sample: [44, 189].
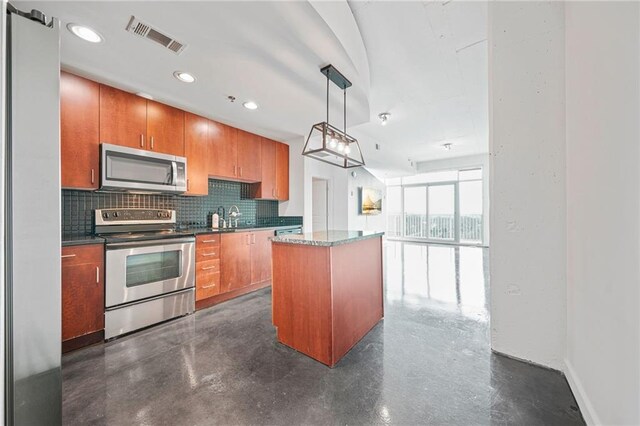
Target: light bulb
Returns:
[347, 149]
[340, 147]
[333, 143]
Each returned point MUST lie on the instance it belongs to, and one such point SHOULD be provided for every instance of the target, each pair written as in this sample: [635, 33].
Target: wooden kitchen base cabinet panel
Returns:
[235, 260]
[261, 256]
[82, 293]
[325, 299]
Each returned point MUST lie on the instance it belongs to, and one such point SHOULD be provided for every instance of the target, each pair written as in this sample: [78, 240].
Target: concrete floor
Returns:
[427, 362]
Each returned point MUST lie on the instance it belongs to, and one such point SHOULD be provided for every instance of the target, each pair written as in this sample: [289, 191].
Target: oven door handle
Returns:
[147, 243]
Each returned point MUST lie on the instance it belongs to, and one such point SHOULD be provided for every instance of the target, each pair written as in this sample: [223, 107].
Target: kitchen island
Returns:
[327, 290]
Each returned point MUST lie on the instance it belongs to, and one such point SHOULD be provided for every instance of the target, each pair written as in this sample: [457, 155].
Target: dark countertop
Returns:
[78, 240]
[326, 238]
[198, 231]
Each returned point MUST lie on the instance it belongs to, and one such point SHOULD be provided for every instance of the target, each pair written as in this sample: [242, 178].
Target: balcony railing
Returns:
[435, 227]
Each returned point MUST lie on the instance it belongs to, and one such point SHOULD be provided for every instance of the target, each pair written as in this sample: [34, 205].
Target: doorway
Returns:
[320, 205]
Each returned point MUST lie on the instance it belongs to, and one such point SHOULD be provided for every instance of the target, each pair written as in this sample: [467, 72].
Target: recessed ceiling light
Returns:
[144, 95]
[384, 116]
[85, 33]
[185, 77]
[250, 105]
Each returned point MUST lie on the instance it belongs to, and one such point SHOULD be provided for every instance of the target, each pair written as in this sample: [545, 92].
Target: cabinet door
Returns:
[196, 149]
[282, 171]
[235, 261]
[223, 150]
[165, 129]
[249, 157]
[267, 187]
[123, 118]
[261, 256]
[82, 291]
[79, 131]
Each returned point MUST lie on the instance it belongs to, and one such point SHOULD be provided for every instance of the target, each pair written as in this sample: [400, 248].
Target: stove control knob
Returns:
[105, 215]
[159, 214]
[115, 214]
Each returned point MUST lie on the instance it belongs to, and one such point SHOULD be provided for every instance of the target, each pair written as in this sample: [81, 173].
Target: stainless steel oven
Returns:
[138, 270]
[137, 170]
[149, 268]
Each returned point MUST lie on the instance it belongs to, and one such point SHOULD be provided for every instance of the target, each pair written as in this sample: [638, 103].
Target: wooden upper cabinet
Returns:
[82, 290]
[282, 171]
[196, 150]
[267, 186]
[79, 132]
[223, 150]
[165, 129]
[123, 118]
[235, 261]
[261, 256]
[249, 157]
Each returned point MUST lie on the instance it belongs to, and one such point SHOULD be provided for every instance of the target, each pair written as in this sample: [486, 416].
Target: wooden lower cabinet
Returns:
[261, 256]
[82, 295]
[207, 266]
[235, 257]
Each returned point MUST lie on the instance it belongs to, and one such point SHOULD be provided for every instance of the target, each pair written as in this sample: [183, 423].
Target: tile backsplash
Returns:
[78, 206]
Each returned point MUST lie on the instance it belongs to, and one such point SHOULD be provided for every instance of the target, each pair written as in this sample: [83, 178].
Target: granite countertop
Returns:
[327, 238]
[77, 240]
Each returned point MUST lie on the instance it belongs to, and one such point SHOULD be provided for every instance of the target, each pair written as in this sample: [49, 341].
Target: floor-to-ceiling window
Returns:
[445, 206]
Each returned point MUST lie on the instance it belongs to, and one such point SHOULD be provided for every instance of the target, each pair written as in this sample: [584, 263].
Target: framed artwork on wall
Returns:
[370, 201]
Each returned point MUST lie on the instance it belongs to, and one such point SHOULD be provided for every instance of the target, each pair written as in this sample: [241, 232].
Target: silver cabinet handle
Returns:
[208, 286]
[67, 255]
[253, 238]
[141, 140]
[209, 241]
[234, 170]
[208, 267]
[151, 142]
[240, 171]
[93, 176]
[209, 254]
[97, 274]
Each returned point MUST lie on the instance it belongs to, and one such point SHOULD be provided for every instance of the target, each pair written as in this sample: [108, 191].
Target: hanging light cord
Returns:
[345, 110]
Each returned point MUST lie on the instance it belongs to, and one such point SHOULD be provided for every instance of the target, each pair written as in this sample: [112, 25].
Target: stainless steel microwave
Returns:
[137, 170]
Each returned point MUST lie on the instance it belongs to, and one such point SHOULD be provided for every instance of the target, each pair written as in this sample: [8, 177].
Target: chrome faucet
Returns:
[233, 216]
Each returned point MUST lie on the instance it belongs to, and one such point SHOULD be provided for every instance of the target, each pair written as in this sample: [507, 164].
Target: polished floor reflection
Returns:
[428, 362]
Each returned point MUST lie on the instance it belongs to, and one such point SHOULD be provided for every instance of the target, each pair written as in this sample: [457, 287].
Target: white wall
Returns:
[467, 161]
[603, 209]
[527, 178]
[357, 221]
[338, 187]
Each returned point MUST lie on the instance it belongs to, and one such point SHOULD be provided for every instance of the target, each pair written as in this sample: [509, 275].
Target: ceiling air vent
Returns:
[144, 30]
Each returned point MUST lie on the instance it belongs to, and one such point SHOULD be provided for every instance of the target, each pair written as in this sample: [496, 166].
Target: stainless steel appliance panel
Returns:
[143, 314]
[131, 169]
[32, 258]
[139, 270]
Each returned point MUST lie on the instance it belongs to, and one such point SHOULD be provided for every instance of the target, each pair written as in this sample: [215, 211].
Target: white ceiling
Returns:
[424, 62]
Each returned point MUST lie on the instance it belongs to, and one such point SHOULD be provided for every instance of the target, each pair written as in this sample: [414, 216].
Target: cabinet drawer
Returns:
[207, 253]
[207, 285]
[208, 267]
[207, 240]
[77, 255]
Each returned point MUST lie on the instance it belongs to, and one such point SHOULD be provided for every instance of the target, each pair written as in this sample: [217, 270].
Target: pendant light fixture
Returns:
[328, 143]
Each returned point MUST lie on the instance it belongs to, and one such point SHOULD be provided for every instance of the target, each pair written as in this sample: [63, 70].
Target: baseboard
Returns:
[588, 412]
[527, 361]
[82, 341]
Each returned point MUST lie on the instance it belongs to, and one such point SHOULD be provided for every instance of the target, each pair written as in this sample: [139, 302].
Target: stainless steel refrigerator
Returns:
[30, 216]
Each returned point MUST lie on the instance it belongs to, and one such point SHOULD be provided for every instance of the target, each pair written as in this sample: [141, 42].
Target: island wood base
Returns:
[325, 299]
